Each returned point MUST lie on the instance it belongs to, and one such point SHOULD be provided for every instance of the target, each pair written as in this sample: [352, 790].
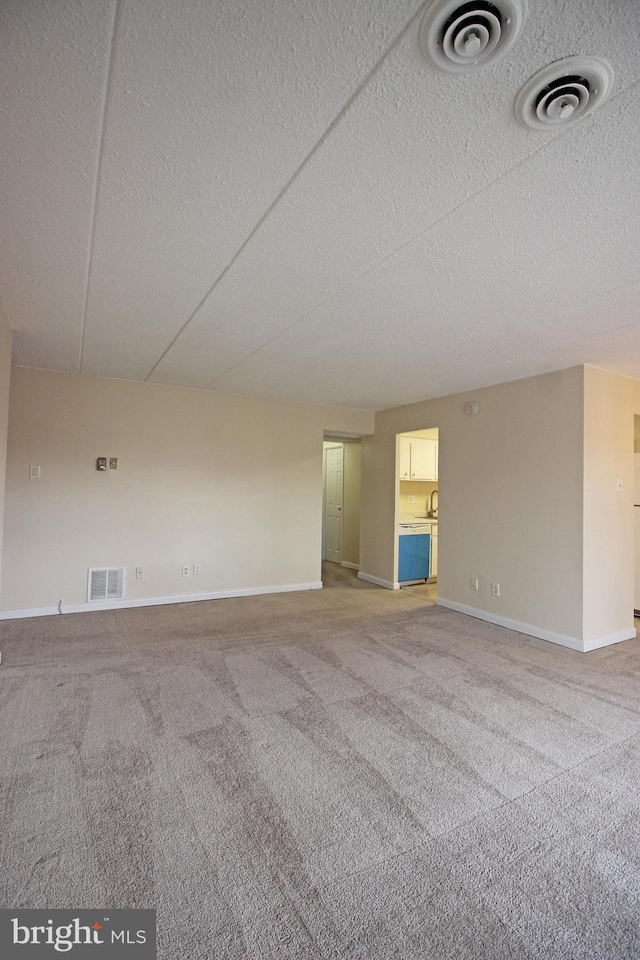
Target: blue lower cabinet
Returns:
[413, 556]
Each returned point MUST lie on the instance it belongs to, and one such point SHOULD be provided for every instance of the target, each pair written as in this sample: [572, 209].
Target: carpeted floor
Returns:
[345, 773]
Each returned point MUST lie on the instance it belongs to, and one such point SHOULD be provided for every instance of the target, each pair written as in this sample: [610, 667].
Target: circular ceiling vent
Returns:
[563, 91]
[463, 37]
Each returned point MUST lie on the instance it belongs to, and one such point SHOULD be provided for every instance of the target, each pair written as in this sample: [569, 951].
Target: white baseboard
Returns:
[618, 637]
[154, 601]
[380, 583]
[29, 612]
[562, 639]
[351, 566]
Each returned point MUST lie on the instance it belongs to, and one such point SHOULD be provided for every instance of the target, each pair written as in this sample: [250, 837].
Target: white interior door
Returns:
[333, 488]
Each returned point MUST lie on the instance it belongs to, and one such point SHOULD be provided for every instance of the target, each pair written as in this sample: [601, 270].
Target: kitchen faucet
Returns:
[433, 511]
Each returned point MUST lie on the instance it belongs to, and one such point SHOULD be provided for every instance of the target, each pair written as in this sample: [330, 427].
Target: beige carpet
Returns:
[346, 773]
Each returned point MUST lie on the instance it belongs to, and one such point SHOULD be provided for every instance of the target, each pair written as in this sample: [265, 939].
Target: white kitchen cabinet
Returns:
[418, 459]
[404, 464]
[424, 459]
[433, 556]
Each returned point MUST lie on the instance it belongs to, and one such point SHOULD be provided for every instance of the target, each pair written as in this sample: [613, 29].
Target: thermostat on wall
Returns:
[101, 463]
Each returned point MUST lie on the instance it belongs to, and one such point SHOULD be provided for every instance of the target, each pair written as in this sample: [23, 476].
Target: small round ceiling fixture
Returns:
[463, 37]
[563, 91]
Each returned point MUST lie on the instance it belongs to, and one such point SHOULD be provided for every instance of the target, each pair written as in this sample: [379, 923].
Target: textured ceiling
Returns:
[282, 198]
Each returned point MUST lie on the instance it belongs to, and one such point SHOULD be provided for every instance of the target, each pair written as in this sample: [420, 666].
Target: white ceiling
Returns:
[282, 198]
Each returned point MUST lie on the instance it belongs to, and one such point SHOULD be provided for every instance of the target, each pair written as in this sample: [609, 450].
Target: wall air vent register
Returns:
[105, 583]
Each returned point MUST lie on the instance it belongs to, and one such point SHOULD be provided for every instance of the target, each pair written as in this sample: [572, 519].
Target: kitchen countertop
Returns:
[416, 518]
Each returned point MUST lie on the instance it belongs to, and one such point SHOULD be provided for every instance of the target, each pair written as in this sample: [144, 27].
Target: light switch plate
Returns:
[34, 473]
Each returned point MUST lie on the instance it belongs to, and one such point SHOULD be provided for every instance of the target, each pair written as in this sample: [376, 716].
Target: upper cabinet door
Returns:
[424, 459]
[418, 459]
[404, 464]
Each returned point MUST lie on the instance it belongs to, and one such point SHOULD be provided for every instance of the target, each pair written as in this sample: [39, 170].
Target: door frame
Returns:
[326, 446]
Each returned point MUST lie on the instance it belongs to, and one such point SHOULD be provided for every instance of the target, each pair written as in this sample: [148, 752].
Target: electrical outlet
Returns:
[196, 569]
[139, 573]
[411, 499]
[186, 570]
[495, 589]
[474, 583]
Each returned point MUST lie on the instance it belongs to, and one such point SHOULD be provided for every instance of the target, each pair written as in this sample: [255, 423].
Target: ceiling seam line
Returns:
[378, 263]
[619, 288]
[532, 260]
[397, 250]
[551, 252]
[96, 195]
[294, 176]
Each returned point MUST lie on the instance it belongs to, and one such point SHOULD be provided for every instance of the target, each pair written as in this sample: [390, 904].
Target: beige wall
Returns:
[510, 498]
[351, 504]
[6, 336]
[527, 493]
[610, 404]
[231, 483]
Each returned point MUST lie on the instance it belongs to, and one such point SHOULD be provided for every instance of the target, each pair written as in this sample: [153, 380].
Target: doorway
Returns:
[332, 514]
[341, 482]
[417, 513]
